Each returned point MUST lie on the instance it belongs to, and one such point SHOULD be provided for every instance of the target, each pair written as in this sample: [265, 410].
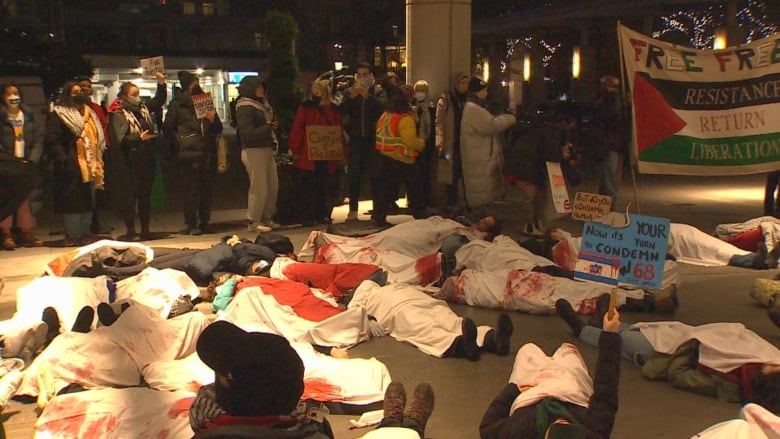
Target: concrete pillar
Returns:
[438, 41]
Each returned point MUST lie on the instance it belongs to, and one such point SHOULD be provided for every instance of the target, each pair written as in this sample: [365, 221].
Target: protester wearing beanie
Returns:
[195, 143]
[481, 144]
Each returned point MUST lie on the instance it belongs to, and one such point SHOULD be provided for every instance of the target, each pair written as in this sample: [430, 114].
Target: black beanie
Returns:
[186, 79]
[476, 84]
[265, 372]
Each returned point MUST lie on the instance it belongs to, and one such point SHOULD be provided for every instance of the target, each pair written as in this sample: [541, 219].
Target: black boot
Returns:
[566, 312]
[497, 339]
[52, 320]
[84, 320]
[131, 235]
[106, 314]
[467, 343]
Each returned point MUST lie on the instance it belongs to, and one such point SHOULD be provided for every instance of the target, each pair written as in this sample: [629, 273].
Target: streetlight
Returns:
[575, 63]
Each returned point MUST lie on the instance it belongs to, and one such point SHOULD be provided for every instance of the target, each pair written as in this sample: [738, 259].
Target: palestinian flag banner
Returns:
[703, 112]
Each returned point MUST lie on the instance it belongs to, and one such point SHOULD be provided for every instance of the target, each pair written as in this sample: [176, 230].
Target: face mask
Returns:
[13, 100]
[134, 100]
[366, 81]
[316, 100]
[420, 96]
[80, 99]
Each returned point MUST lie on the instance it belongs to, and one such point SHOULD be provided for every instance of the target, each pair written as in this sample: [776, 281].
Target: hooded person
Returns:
[481, 146]
[257, 386]
[195, 142]
[449, 112]
[256, 123]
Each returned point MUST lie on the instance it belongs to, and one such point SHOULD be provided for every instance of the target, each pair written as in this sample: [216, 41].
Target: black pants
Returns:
[313, 196]
[142, 167]
[457, 179]
[772, 204]
[391, 173]
[360, 151]
[198, 179]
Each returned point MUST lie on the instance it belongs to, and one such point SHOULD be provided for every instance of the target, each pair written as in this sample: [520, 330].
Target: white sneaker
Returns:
[258, 228]
[352, 216]
[271, 224]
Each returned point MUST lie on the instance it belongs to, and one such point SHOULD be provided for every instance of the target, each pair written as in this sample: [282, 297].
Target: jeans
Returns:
[609, 183]
[635, 345]
[406, 423]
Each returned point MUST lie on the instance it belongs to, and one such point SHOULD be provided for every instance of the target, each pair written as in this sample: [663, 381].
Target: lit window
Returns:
[208, 8]
[189, 8]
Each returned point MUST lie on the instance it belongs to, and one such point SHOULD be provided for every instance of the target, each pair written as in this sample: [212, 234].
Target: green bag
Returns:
[159, 197]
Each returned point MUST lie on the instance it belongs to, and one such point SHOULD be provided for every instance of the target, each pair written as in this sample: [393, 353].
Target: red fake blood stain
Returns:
[320, 390]
[180, 407]
[428, 268]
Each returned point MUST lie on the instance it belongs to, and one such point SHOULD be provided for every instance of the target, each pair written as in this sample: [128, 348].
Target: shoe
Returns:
[502, 334]
[71, 242]
[29, 240]
[324, 220]
[258, 228]
[666, 299]
[205, 228]
[566, 312]
[38, 338]
[759, 260]
[422, 405]
[381, 223]
[395, 401]
[602, 307]
[468, 341]
[194, 231]
[8, 242]
[84, 320]
[52, 320]
[271, 224]
[146, 235]
[106, 314]
[352, 215]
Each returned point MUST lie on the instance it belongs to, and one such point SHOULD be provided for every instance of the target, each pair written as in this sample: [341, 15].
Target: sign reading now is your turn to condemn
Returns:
[632, 255]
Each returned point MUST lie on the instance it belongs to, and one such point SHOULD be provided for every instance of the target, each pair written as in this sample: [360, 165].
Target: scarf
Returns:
[129, 111]
[261, 106]
[90, 142]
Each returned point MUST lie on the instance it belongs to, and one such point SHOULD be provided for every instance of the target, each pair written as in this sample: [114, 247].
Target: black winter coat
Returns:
[32, 132]
[598, 420]
[180, 120]
[253, 128]
[362, 114]
[71, 195]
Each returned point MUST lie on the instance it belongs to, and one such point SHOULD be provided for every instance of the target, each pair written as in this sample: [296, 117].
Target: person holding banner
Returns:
[195, 140]
[481, 147]
[311, 122]
[398, 147]
[132, 161]
[256, 124]
[609, 137]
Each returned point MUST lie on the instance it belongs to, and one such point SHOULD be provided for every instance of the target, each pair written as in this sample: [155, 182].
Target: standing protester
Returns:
[481, 147]
[132, 160]
[315, 176]
[256, 123]
[425, 112]
[399, 146]
[387, 83]
[449, 112]
[96, 227]
[609, 137]
[362, 108]
[195, 141]
[76, 141]
[20, 136]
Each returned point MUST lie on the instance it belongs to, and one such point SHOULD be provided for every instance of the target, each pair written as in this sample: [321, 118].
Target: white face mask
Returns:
[13, 100]
[420, 96]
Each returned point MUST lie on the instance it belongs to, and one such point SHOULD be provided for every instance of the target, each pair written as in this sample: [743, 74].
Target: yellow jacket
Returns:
[396, 137]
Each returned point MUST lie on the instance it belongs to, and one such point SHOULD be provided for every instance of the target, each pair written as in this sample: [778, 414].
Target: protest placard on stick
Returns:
[204, 105]
[152, 65]
[560, 195]
[589, 206]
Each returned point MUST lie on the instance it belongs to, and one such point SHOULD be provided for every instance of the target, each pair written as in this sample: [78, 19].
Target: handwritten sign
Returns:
[324, 142]
[204, 105]
[639, 248]
[597, 268]
[560, 195]
[588, 206]
[152, 65]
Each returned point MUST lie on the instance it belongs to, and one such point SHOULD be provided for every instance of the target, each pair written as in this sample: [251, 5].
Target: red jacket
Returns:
[102, 116]
[309, 115]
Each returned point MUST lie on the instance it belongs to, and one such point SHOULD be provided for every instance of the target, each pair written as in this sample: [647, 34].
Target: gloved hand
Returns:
[374, 329]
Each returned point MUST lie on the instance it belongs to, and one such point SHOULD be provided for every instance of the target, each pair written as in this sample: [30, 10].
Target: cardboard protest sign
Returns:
[204, 105]
[152, 65]
[560, 195]
[639, 248]
[588, 206]
[597, 268]
[325, 142]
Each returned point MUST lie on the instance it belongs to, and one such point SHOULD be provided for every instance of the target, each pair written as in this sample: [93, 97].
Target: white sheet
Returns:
[754, 422]
[156, 289]
[67, 295]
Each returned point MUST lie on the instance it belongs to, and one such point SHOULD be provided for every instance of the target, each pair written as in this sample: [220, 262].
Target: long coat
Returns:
[71, 194]
[481, 146]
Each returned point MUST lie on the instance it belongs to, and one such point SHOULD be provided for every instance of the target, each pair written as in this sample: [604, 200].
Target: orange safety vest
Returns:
[387, 138]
